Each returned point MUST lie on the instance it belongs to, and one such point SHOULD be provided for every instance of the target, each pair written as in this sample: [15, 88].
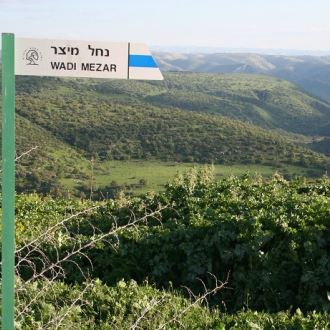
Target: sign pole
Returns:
[8, 180]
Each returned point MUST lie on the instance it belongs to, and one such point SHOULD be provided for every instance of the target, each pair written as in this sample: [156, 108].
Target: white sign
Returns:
[91, 59]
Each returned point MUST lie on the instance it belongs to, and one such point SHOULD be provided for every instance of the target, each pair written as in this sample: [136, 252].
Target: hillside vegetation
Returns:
[193, 118]
[261, 100]
[99, 125]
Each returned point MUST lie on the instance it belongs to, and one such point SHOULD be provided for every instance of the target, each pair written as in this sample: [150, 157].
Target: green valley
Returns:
[107, 178]
[151, 131]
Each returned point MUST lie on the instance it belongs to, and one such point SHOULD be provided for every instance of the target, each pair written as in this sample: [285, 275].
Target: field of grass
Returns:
[156, 174]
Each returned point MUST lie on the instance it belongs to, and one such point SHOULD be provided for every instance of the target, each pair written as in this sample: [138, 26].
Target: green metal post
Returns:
[8, 180]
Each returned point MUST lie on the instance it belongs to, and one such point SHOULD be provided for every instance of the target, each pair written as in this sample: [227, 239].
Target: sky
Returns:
[252, 24]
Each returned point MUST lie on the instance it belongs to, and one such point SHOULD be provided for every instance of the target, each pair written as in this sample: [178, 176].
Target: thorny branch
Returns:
[24, 154]
[32, 256]
[218, 285]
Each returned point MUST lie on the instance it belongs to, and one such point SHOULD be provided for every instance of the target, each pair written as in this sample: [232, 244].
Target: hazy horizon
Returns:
[195, 49]
[285, 26]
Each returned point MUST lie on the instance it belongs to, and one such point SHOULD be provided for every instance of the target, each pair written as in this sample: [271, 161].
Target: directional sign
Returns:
[90, 59]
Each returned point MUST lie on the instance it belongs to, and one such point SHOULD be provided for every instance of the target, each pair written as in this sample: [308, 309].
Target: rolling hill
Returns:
[257, 99]
[261, 100]
[312, 73]
[191, 118]
[89, 118]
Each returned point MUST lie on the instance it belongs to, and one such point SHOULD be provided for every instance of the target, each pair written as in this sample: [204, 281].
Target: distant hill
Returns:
[261, 100]
[322, 145]
[312, 73]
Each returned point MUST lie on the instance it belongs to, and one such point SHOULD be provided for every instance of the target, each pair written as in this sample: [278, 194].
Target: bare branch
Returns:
[26, 153]
[32, 256]
[218, 286]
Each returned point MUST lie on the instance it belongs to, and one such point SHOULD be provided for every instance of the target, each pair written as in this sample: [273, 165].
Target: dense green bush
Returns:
[97, 306]
[256, 320]
[271, 239]
[94, 305]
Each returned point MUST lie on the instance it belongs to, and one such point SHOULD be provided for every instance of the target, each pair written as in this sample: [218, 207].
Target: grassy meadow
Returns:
[155, 174]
